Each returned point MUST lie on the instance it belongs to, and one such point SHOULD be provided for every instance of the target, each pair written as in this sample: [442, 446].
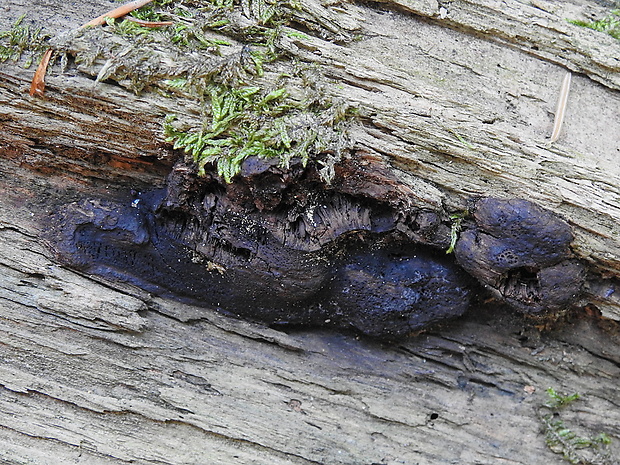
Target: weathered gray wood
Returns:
[463, 127]
[109, 381]
[103, 373]
[478, 127]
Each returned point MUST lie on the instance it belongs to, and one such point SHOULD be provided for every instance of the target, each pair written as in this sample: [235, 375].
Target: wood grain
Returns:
[459, 103]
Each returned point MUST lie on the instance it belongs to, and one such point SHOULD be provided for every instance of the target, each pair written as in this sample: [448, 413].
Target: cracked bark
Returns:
[107, 373]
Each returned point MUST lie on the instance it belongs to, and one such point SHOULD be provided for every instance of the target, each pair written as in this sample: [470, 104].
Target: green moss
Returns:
[20, 40]
[561, 439]
[249, 122]
[455, 229]
[235, 130]
[557, 401]
[127, 28]
[217, 53]
[610, 24]
[154, 11]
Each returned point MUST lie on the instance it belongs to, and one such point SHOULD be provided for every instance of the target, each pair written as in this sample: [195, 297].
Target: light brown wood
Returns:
[459, 99]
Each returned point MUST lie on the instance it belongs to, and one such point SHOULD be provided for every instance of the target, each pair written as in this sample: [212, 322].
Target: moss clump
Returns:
[254, 99]
[561, 439]
[610, 24]
[22, 39]
[250, 122]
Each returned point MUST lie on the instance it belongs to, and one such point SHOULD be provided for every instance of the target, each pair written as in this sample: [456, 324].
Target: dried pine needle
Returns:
[118, 12]
[38, 81]
[561, 108]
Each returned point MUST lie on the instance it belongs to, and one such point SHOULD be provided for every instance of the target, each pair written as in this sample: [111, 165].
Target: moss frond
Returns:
[610, 24]
[22, 39]
[562, 439]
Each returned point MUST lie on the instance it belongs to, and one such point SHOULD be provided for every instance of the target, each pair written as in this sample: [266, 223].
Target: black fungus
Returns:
[394, 291]
[248, 275]
[522, 252]
[289, 253]
[293, 268]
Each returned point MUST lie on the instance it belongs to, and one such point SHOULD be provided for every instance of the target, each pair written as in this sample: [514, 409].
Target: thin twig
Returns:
[561, 108]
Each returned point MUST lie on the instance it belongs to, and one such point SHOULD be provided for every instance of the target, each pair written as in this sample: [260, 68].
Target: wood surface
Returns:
[458, 99]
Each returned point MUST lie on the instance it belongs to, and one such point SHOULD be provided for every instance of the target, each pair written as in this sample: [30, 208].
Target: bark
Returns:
[455, 103]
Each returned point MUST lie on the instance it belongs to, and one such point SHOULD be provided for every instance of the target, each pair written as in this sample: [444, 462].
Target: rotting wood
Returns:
[78, 375]
[500, 156]
[225, 386]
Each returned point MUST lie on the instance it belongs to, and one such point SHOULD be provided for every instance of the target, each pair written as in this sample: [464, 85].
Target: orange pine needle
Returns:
[118, 12]
[38, 81]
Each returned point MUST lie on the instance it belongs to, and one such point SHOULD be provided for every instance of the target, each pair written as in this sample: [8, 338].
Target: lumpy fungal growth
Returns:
[279, 247]
[395, 291]
[282, 254]
[522, 252]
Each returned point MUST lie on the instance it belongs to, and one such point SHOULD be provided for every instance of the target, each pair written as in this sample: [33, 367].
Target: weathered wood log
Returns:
[528, 169]
[112, 373]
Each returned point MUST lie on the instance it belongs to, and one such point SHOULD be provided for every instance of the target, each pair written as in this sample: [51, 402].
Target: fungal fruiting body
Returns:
[522, 252]
[335, 259]
[394, 291]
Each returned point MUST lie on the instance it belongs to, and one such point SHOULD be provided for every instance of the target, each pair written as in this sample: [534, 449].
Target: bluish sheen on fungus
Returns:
[522, 252]
[396, 291]
[297, 254]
